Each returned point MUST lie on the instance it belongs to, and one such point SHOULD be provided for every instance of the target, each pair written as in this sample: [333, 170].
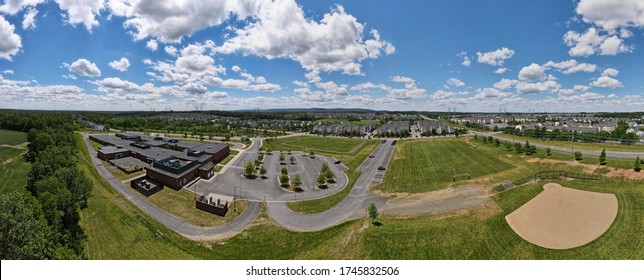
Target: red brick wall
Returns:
[170, 181]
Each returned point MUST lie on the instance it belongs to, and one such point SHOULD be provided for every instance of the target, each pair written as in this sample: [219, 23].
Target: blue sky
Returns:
[392, 55]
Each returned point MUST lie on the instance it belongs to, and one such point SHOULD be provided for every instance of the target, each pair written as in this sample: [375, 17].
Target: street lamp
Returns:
[572, 142]
[234, 199]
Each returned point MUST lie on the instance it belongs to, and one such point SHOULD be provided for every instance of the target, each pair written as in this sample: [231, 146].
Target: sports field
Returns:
[315, 143]
[10, 137]
[426, 165]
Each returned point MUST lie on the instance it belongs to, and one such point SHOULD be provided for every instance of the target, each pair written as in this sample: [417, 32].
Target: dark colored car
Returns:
[372, 156]
[394, 142]
[382, 168]
[337, 162]
[384, 141]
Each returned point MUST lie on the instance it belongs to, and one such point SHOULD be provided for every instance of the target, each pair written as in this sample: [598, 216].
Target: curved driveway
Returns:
[177, 224]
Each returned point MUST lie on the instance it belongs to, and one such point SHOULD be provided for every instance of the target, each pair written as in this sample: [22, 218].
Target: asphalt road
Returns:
[177, 224]
[610, 154]
[354, 206]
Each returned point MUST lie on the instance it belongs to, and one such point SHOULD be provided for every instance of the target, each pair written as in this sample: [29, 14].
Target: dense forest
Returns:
[42, 221]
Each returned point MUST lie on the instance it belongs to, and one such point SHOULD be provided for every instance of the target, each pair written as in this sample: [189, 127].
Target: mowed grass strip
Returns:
[182, 204]
[473, 237]
[13, 170]
[616, 147]
[10, 137]
[330, 144]
[426, 165]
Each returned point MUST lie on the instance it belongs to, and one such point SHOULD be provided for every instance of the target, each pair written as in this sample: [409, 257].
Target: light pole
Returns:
[572, 142]
[234, 199]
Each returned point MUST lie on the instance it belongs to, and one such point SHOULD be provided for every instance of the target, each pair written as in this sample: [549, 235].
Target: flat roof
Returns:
[111, 149]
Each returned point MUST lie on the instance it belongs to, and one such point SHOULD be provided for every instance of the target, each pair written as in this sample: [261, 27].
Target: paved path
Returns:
[354, 206]
[610, 154]
[177, 224]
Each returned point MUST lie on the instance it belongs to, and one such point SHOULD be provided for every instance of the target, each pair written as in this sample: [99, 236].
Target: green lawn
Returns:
[182, 204]
[228, 158]
[584, 146]
[469, 237]
[10, 137]
[13, 170]
[327, 144]
[426, 165]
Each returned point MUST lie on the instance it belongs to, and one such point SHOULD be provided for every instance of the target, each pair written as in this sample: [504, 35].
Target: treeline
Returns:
[619, 134]
[26, 120]
[42, 222]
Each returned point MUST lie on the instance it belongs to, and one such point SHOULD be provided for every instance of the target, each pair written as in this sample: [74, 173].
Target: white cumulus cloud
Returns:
[84, 67]
[10, 42]
[121, 64]
[495, 58]
[606, 82]
[531, 72]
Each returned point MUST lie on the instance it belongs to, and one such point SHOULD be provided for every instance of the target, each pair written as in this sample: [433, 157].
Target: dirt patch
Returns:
[451, 199]
[590, 168]
[564, 218]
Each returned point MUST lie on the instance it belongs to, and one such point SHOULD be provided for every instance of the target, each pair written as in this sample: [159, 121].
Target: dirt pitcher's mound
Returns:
[564, 218]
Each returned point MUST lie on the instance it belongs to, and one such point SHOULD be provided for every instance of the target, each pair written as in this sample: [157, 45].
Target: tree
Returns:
[518, 148]
[281, 157]
[490, 139]
[578, 156]
[637, 166]
[24, 228]
[262, 171]
[284, 180]
[484, 140]
[508, 145]
[602, 157]
[292, 159]
[548, 151]
[528, 150]
[321, 180]
[476, 137]
[373, 212]
[249, 169]
[497, 142]
[284, 171]
[297, 181]
[311, 154]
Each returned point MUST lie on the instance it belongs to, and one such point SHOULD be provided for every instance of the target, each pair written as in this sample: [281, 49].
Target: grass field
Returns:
[584, 146]
[182, 204]
[333, 145]
[10, 137]
[13, 170]
[426, 165]
[470, 237]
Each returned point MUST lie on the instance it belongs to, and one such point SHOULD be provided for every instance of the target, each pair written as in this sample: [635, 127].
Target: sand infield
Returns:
[564, 218]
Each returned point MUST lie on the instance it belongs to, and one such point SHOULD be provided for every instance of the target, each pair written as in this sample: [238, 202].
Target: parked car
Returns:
[372, 156]
[337, 162]
[393, 142]
[382, 168]
[384, 141]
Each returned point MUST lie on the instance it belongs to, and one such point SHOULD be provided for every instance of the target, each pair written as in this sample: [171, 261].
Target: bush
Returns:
[578, 156]
[637, 166]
